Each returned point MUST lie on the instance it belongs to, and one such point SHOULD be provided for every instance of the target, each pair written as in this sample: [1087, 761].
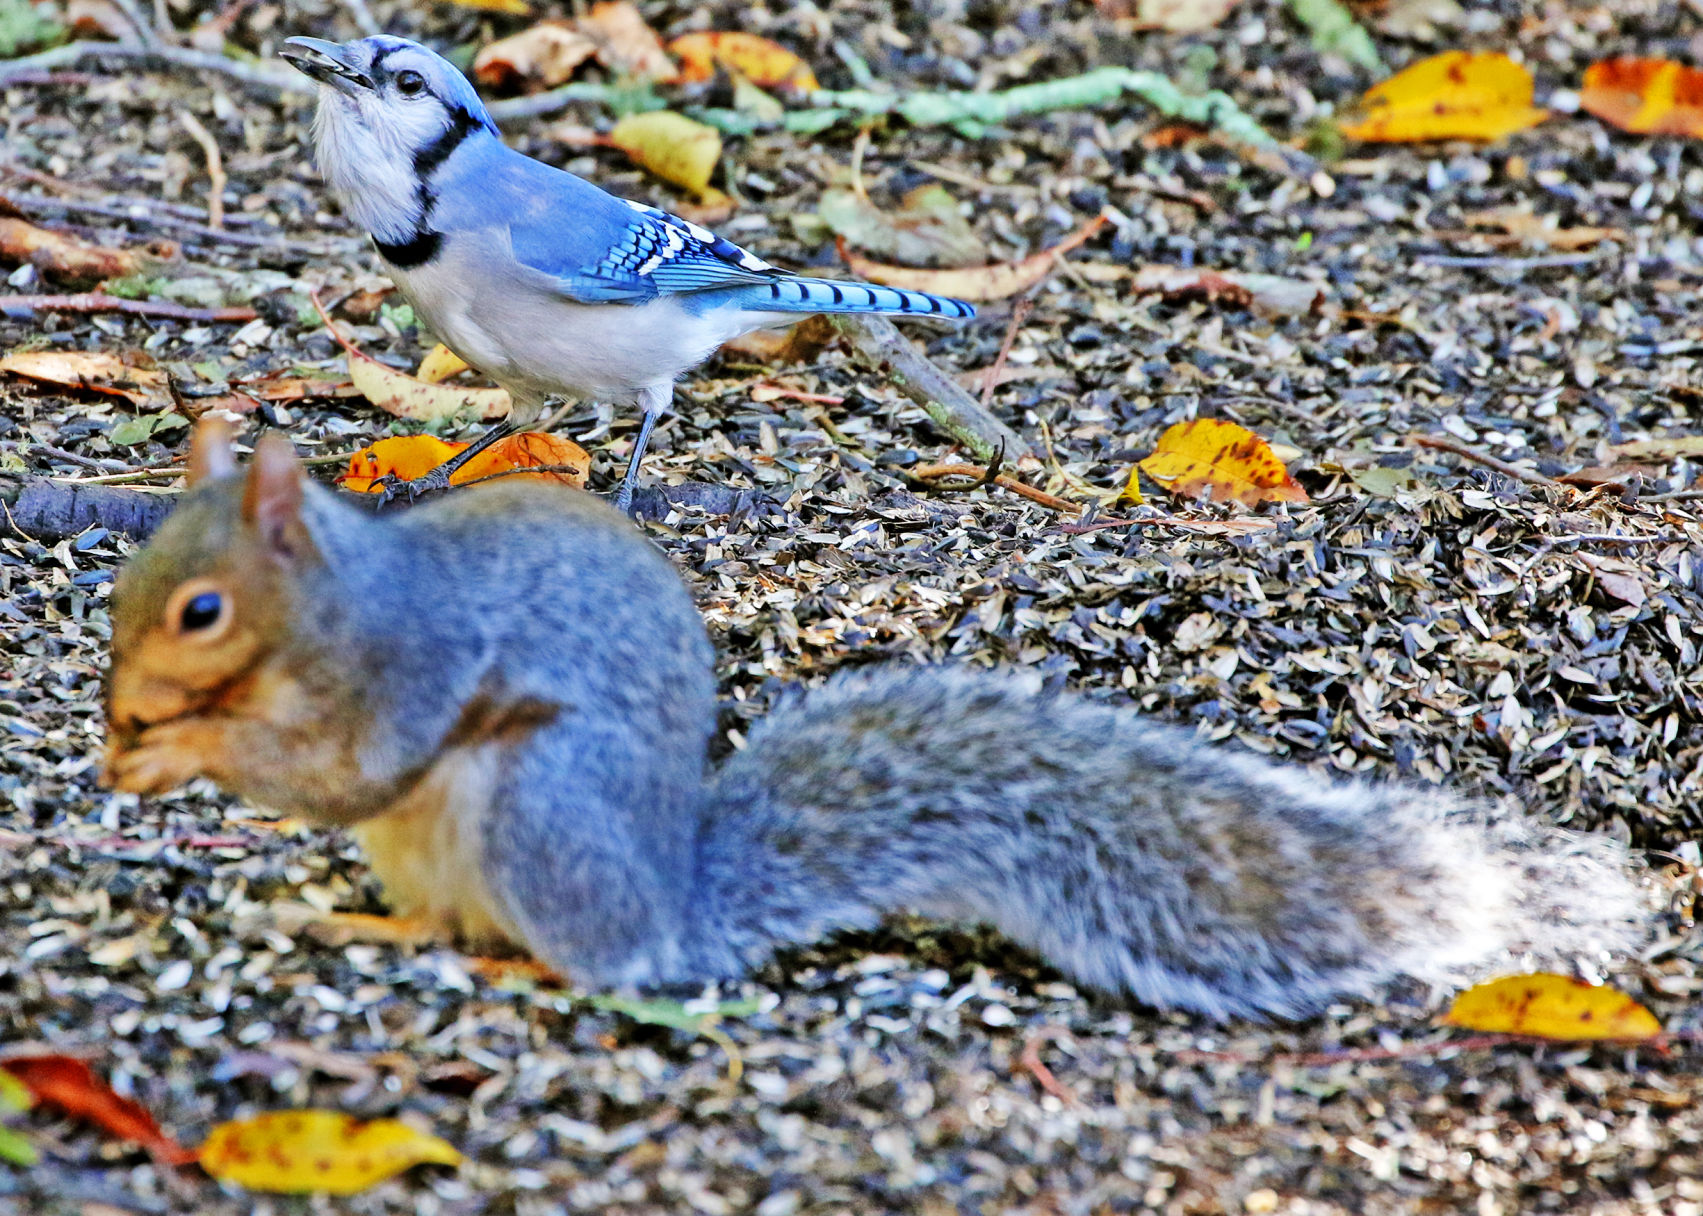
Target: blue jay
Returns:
[536, 277]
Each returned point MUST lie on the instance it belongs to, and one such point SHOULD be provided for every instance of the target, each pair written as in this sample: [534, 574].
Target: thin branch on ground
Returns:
[991, 381]
[94, 301]
[275, 85]
[1440, 444]
[215, 168]
[927, 473]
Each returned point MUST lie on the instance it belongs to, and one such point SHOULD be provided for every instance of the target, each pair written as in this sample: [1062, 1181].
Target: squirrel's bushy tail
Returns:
[1131, 855]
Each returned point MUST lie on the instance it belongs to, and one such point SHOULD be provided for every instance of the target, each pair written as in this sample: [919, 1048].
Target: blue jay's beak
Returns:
[329, 63]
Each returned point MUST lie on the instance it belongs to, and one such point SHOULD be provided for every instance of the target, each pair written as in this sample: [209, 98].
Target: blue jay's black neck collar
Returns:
[422, 247]
[416, 251]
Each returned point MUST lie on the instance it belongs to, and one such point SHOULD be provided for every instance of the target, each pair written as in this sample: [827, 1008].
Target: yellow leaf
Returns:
[1221, 459]
[300, 1151]
[439, 365]
[400, 394]
[1645, 96]
[672, 146]
[1552, 1007]
[1456, 95]
[764, 63]
[514, 8]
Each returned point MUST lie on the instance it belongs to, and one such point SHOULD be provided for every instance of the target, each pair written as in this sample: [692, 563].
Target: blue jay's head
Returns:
[390, 114]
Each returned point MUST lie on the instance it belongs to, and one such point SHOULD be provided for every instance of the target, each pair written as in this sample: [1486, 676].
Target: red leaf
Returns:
[68, 1084]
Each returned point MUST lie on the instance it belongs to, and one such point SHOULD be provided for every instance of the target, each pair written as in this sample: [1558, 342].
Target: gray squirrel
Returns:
[508, 695]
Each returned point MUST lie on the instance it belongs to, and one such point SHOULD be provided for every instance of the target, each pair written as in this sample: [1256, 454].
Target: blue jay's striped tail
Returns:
[830, 295]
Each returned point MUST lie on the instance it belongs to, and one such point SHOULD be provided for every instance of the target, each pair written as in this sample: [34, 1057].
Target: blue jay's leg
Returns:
[653, 400]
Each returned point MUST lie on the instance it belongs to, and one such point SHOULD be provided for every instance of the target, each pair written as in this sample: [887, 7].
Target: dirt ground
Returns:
[1424, 617]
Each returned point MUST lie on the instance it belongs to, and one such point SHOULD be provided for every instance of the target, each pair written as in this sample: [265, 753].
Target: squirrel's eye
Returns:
[202, 612]
[410, 84]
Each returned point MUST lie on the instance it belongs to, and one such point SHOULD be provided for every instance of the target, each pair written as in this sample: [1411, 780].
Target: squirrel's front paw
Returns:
[163, 757]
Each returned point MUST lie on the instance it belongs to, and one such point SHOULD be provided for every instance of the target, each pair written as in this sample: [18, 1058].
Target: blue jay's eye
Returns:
[202, 612]
[410, 84]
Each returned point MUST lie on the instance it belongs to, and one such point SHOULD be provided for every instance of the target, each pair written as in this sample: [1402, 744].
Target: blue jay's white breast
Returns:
[510, 323]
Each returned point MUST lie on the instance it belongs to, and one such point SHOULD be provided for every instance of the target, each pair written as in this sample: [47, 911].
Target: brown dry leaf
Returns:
[765, 63]
[928, 229]
[1220, 460]
[91, 371]
[800, 343]
[406, 457]
[300, 1151]
[439, 365]
[1267, 292]
[1622, 580]
[1172, 16]
[1551, 1007]
[1643, 451]
[978, 283]
[542, 57]
[675, 148]
[1480, 95]
[64, 256]
[1645, 96]
[625, 44]
[1524, 226]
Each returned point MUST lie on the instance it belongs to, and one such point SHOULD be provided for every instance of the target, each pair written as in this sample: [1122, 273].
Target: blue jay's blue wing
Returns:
[599, 249]
[650, 254]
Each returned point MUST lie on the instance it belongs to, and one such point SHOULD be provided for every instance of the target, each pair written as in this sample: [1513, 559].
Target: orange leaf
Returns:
[1222, 459]
[766, 64]
[1645, 96]
[1552, 1007]
[406, 457]
[1456, 95]
[299, 1151]
[972, 282]
[68, 1084]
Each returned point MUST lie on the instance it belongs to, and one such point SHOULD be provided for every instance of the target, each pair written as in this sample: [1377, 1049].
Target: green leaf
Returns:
[16, 1150]
[130, 431]
[1333, 29]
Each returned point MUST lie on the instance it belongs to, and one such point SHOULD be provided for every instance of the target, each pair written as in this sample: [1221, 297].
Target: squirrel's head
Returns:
[196, 610]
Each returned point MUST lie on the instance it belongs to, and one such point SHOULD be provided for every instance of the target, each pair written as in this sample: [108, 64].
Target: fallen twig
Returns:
[1018, 315]
[215, 167]
[879, 342]
[272, 84]
[94, 301]
[1030, 1059]
[982, 476]
[1484, 458]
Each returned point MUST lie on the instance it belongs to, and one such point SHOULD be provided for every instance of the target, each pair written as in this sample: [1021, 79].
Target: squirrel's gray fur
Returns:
[1132, 856]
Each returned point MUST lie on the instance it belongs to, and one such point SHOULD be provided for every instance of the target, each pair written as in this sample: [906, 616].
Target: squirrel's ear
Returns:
[272, 499]
[211, 455]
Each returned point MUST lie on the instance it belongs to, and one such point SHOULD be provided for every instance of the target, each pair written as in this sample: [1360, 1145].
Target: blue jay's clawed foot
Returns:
[437, 478]
[542, 281]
